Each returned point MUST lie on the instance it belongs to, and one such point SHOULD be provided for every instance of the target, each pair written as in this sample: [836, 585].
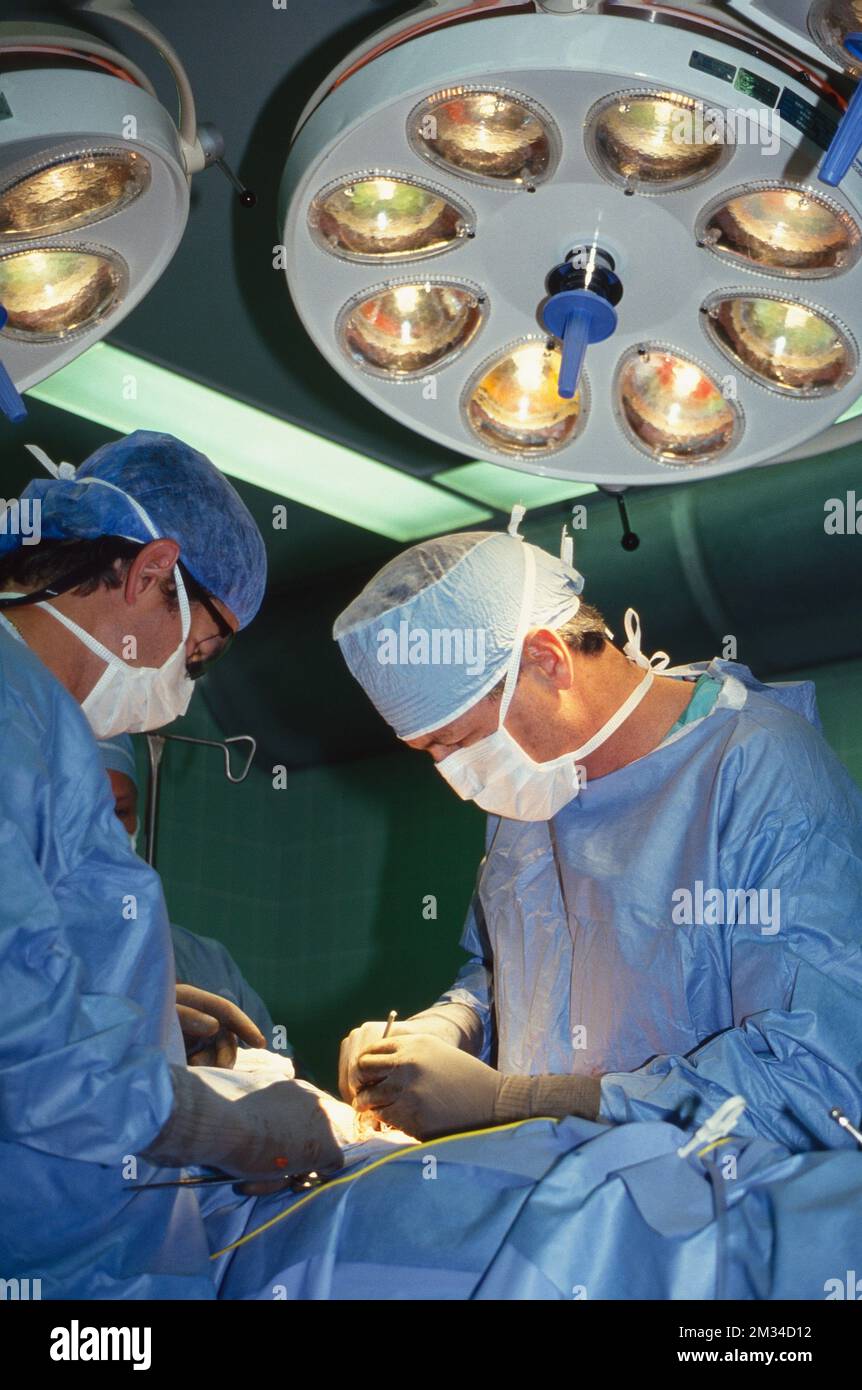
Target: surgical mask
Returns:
[133, 699]
[499, 775]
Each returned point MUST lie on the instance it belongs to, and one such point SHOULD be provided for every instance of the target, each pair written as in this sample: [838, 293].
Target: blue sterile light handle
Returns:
[847, 141]
[576, 339]
[577, 318]
[11, 403]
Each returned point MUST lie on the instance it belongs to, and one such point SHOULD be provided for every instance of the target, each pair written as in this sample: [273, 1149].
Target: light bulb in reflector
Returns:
[671, 408]
[407, 329]
[485, 134]
[513, 403]
[51, 292]
[72, 193]
[787, 231]
[829, 22]
[654, 141]
[382, 218]
[788, 346]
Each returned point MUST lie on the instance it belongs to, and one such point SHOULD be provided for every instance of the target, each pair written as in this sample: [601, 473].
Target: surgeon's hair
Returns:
[105, 561]
[584, 633]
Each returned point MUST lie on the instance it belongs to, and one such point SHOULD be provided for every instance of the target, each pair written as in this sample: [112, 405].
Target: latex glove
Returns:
[274, 1131]
[359, 1040]
[426, 1087]
[211, 1026]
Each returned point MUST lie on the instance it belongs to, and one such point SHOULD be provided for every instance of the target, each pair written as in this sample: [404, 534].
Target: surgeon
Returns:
[148, 567]
[211, 988]
[668, 911]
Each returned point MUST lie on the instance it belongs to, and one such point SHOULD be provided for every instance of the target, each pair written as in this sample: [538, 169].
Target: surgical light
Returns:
[94, 189]
[594, 176]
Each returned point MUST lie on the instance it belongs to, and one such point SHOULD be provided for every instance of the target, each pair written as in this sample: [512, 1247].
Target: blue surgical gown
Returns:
[88, 1024]
[585, 957]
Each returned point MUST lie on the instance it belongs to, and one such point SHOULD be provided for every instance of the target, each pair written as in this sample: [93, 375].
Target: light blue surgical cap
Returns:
[185, 497]
[433, 632]
[118, 754]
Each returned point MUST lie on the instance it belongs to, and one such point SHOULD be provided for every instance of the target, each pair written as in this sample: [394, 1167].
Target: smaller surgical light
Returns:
[378, 217]
[670, 407]
[656, 142]
[51, 292]
[404, 330]
[790, 347]
[830, 22]
[786, 231]
[72, 193]
[513, 404]
[485, 134]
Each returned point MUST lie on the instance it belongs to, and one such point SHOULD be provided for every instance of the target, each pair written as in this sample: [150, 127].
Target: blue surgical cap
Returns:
[186, 499]
[434, 631]
[118, 755]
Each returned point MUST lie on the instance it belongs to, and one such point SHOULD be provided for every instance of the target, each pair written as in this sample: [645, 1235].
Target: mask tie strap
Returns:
[659, 661]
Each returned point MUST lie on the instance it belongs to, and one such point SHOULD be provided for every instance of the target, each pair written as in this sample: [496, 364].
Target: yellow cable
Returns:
[351, 1177]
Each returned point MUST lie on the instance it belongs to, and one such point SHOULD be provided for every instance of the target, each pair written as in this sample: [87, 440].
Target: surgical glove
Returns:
[455, 1024]
[276, 1130]
[426, 1086]
[210, 1027]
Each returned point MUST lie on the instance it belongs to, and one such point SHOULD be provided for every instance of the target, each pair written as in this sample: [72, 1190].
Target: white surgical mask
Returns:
[133, 699]
[499, 775]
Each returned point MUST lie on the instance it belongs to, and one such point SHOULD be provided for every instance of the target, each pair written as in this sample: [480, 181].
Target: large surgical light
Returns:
[94, 190]
[588, 242]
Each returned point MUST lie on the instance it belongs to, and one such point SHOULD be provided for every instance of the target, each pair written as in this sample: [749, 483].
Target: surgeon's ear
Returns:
[545, 650]
[153, 564]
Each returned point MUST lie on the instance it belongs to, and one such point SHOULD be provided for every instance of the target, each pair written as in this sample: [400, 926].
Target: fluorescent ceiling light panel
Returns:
[501, 488]
[125, 393]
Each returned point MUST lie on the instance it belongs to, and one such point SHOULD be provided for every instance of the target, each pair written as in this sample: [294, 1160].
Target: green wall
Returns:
[318, 889]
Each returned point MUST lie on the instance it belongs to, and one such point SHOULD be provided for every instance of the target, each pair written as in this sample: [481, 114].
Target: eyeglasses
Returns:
[198, 666]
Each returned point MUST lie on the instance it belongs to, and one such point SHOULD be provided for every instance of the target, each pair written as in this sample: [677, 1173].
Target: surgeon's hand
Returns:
[359, 1040]
[273, 1132]
[211, 1027]
[425, 1086]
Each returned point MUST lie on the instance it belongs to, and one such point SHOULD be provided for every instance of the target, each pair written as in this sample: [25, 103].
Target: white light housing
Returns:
[636, 132]
[94, 199]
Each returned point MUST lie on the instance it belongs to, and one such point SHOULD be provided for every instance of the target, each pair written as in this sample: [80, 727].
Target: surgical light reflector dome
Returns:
[485, 134]
[72, 193]
[620, 202]
[673, 408]
[376, 216]
[514, 405]
[653, 141]
[830, 21]
[784, 231]
[409, 328]
[53, 291]
[781, 343]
